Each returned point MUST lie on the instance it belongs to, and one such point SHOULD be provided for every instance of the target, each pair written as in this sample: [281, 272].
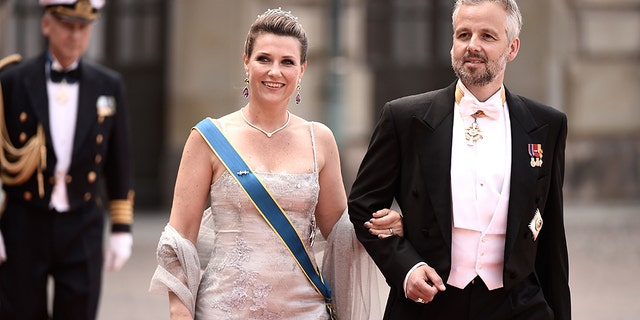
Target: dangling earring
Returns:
[298, 97]
[245, 91]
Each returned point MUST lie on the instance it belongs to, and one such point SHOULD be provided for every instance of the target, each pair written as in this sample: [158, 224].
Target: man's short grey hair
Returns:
[514, 18]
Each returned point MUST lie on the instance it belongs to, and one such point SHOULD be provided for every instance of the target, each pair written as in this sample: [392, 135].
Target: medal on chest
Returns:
[473, 133]
[62, 94]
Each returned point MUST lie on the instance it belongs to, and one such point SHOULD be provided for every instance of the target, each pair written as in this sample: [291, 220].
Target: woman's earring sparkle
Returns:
[298, 96]
[245, 91]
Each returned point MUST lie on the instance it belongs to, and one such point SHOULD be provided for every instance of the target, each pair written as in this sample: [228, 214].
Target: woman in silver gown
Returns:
[228, 263]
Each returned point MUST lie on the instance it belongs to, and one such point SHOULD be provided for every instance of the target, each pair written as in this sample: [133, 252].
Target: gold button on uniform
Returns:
[98, 158]
[23, 137]
[27, 196]
[91, 177]
[87, 196]
[99, 139]
[23, 117]
[100, 119]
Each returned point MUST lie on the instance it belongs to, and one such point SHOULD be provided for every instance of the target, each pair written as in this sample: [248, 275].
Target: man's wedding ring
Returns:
[419, 300]
[390, 231]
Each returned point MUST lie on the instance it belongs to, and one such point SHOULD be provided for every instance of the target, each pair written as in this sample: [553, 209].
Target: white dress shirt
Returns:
[63, 111]
[480, 182]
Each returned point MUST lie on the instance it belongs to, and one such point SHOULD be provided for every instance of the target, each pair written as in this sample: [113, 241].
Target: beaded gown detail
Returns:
[245, 271]
[251, 275]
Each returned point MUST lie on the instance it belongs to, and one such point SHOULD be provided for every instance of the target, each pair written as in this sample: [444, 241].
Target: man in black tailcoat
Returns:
[477, 172]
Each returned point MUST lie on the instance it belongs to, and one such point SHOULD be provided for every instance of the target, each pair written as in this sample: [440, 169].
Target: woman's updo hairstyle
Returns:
[278, 22]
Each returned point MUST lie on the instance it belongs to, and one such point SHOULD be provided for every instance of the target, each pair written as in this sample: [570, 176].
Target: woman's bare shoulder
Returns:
[323, 133]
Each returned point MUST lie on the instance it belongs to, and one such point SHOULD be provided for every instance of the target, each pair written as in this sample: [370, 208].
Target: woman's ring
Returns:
[419, 300]
[391, 231]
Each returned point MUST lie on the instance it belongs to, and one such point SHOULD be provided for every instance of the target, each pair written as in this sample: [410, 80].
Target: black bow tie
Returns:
[70, 76]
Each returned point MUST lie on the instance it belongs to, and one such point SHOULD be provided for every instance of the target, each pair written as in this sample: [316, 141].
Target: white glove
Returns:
[119, 250]
[3, 252]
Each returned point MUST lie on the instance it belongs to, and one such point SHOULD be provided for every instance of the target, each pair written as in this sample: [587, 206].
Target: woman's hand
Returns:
[385, 223]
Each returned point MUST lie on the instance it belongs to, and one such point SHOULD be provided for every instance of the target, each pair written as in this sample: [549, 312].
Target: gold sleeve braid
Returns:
[121, 211]
[19, 164]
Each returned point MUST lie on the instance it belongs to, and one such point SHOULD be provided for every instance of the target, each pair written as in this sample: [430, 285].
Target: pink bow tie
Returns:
[491, 108]
[471, 107]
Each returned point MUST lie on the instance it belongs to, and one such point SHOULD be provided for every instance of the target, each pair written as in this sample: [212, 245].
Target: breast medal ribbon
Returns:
[535, 152]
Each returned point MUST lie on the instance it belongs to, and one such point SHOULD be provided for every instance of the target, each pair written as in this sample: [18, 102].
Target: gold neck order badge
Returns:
[473, 133]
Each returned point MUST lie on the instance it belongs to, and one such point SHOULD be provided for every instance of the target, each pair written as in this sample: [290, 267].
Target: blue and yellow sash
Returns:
[266, 205]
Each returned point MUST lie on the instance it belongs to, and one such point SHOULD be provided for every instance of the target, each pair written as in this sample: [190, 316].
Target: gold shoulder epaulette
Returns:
[13, 58]
[19, 164]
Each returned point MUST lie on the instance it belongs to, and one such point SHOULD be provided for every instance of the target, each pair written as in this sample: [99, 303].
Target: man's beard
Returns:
[478, 78]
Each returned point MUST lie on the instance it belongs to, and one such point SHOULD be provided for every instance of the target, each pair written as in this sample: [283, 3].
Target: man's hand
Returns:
[423, 284]
[385, 223]
[119, 250]
[3, 252]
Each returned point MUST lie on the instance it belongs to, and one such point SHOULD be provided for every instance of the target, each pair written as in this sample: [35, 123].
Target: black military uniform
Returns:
[42, 242]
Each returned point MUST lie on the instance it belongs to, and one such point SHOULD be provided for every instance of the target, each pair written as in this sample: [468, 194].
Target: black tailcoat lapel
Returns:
[87, 112]
[524, 131]
[433, 136]
[35, 84]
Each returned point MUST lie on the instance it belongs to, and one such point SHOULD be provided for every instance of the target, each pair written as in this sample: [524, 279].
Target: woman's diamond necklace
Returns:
[268, 134]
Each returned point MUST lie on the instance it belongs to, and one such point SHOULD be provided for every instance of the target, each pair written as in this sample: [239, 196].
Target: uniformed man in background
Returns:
[65, 138]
